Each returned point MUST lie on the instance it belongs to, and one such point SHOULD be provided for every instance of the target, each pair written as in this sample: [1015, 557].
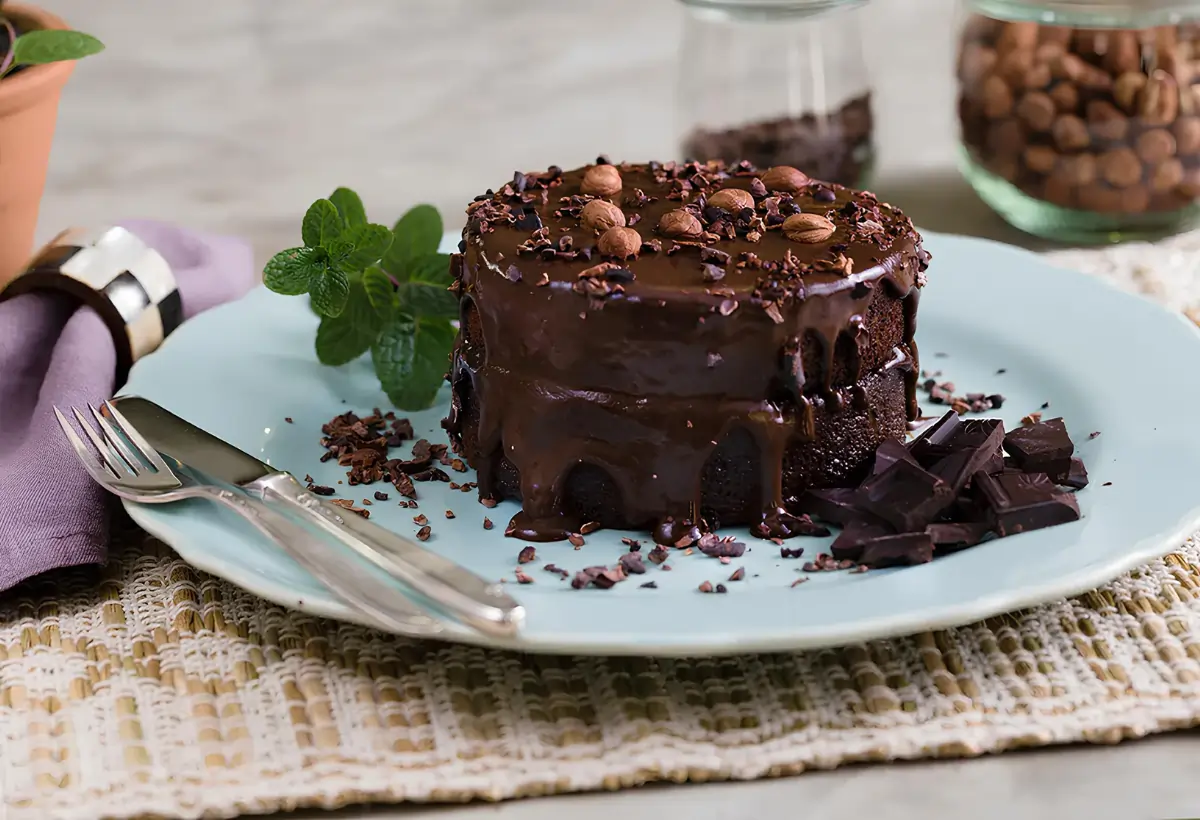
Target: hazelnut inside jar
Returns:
[777, 83]
[1083, 126]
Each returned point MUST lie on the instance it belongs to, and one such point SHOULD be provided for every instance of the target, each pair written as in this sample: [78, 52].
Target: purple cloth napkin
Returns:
[53, 352]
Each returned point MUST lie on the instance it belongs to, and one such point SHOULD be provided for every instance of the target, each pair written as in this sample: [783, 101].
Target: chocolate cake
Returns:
[674, 347]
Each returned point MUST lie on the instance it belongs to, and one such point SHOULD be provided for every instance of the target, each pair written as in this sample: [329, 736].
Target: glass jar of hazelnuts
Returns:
[1080, 119]
[777, 82]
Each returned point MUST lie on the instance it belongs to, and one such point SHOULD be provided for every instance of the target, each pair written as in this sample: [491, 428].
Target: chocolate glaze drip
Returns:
[642, 367]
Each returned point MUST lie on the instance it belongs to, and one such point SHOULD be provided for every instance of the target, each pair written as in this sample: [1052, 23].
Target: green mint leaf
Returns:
[341, 341]
[349, 207]
[410, 358]
[360, 246]
[418, 233]
[289, 272]
[379, 291]
[321, 225]
[344, 338]
[425, 291]
[53, 46]
[330, 290]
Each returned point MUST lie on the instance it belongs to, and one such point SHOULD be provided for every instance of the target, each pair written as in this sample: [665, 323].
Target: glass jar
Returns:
[777, 82]
[1080, 119]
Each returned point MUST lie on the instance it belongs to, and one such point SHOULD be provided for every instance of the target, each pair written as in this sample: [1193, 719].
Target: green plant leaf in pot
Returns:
[54, 46]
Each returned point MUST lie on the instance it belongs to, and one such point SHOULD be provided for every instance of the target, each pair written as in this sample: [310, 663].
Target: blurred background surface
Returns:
[235, 115]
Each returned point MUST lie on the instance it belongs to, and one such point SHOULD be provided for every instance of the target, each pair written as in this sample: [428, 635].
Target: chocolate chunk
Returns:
[848, 546]
[1042, 447]
[527, 555]
[649, 585]
[658, 555]
[930, 446]
[1077, 476]
[1020, 502]
[974, 446]
[906, 549]
[958, 534]
[840, 505]
[888, 453]
[906, 496]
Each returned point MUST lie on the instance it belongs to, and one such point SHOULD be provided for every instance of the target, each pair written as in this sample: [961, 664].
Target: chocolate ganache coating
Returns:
[673, 346]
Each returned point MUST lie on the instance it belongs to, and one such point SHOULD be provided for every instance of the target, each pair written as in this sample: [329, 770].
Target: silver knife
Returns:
[462, 594]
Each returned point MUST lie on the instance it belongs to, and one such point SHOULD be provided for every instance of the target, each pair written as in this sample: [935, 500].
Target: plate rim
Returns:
[1088, 576]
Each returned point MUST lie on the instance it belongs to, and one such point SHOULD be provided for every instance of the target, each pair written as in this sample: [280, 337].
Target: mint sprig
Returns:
[378, 290]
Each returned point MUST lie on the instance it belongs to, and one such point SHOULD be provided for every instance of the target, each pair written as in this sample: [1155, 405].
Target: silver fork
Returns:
[140, 473]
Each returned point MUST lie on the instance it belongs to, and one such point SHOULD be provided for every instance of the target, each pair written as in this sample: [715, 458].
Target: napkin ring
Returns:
[122, 278]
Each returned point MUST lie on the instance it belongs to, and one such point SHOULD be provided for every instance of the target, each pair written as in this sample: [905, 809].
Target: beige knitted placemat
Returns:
[148, 688]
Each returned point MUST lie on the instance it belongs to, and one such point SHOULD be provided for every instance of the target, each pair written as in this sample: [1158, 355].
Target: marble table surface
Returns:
[234, 115]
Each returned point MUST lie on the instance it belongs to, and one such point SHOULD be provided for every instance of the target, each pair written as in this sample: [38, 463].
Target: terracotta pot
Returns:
[28, 112]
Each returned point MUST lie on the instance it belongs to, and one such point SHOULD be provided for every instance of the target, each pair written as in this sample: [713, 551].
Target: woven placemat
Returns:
[148, 688]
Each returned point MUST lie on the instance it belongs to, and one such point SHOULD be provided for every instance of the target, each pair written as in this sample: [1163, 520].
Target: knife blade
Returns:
[451, 587]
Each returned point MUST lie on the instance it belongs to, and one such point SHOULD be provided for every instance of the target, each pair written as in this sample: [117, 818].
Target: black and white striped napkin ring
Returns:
[125, 280]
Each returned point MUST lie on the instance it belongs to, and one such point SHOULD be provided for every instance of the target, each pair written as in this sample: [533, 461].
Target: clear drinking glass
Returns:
[777, 82]
[1080, 119]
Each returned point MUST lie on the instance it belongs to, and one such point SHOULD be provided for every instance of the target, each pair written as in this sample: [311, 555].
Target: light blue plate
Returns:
[1106, 362]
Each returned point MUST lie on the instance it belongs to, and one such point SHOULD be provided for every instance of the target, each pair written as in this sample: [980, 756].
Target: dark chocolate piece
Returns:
[1042, 447]
[903, 550]
[958, 533]
[888, 453]
[906, 496]
[840, 506]
[928, 447]
[974, 446]
[849, 545]
[1020, 502]
[1077, 476]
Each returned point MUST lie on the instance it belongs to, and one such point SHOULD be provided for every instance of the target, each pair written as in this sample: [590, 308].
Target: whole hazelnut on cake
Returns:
[621, 243]
[784, 178]
[808, 228]
[679, 224]
[731, 199]
[600, 215]
[601, 180]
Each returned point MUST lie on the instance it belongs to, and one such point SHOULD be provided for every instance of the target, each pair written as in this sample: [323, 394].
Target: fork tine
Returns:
[115, 439]
[110, 458]
[93, 466]
[144, 447]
